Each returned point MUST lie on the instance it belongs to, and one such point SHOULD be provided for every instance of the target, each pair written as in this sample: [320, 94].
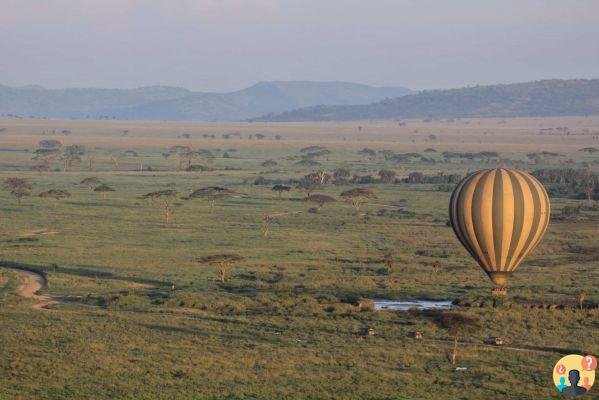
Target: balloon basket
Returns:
[499, 291]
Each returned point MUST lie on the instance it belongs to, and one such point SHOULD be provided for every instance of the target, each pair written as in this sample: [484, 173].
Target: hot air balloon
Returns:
[499, 216]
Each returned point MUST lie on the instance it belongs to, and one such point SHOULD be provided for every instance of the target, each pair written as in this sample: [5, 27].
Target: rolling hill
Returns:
[539, 98]
[174, 103]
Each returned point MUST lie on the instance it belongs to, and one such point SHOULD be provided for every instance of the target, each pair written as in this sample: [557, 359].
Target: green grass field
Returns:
[144, 321]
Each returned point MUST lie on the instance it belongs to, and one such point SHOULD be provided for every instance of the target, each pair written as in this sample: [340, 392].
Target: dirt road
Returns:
[32, 283]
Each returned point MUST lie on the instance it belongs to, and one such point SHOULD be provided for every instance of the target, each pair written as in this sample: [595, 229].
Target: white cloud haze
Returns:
[225, 45]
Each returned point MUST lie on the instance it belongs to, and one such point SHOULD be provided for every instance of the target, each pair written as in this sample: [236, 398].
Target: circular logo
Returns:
[574, 374]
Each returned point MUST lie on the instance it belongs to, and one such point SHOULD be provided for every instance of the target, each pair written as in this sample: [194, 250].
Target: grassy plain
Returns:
[146, 322]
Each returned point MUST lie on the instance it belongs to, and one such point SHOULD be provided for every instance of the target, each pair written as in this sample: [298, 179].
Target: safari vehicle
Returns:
[493, 340]
[415, 335]
[367, 332]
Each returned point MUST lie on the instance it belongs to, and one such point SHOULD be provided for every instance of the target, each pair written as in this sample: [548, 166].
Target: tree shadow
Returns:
[100, 203]
[87, 271]
[258, 336]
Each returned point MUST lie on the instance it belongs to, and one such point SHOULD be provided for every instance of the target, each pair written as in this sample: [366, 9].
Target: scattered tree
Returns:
[280, 189]
[457, 324]
[46, 156]
[50, 144]
[313, 181]
[72, 154]
[357, 196]
[212, 194]
[341, 175]
[387, 175]
[18, 188]
[320, 200]
[40, 168]
[104, 189]
[369, 153]
[389, 262]
[56, 194]
[223, 261]
[114, 157]
[91, 182]
[269, 164]
[165, 199]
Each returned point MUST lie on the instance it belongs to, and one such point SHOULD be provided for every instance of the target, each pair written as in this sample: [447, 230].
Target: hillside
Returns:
[173, 103]
[540, 98]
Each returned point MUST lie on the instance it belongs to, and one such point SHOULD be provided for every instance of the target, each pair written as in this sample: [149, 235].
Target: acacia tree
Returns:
[212, 194]
[269, 164]
[369, 153]
[341, 175]
[319, 177]
[267, 218]
[223, 261]
[91, 158]
[92, 182]
[165, 199]
[50, 144]
[280, 189]
[72, 154]
[56, 195]
[581, 298]
[308, 186]
[357, 196]
[46, 156]
[320, 200]
[114, 157]
[18, 188]
[104, 189]
[389, 262]
[40, 168]
[135, 154]
[387, 175]
[456, 324]
[48, 151]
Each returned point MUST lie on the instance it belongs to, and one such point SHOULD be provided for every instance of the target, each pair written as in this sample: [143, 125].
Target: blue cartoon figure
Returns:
[562, 384]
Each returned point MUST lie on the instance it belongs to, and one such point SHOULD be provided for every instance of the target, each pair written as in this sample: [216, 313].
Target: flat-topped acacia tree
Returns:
[50, 144]
[357, 196]
[46, 156]
[280, 189]
[72, 154]
[313, 182]
[212, 194]
[223, 261]
[56, 195]
[320, 200]
[18, 188]
[270, 164]
[456, 324]
[114, 155]
[92, 182]
[104, 189]
[166, 200]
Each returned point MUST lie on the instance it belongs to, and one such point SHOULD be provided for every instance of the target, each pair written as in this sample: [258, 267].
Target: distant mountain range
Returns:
[174, 103]
[531, 99]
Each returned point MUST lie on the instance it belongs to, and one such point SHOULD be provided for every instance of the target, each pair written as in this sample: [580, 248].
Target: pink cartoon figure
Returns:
[586, 384]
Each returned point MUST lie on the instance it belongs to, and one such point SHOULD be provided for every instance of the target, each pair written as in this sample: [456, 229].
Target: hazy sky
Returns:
[222, 45]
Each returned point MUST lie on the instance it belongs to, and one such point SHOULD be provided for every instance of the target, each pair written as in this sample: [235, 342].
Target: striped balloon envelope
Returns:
[499, 216]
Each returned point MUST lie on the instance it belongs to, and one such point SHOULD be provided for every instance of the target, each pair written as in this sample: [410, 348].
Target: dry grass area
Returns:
[148, 322]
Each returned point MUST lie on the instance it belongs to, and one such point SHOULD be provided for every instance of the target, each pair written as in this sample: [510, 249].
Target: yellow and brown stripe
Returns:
[499, 216]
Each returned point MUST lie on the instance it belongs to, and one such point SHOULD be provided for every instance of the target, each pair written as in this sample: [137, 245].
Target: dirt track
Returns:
[32, 283]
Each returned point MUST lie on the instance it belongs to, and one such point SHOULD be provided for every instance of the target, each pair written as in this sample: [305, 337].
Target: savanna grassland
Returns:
[141, 318]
